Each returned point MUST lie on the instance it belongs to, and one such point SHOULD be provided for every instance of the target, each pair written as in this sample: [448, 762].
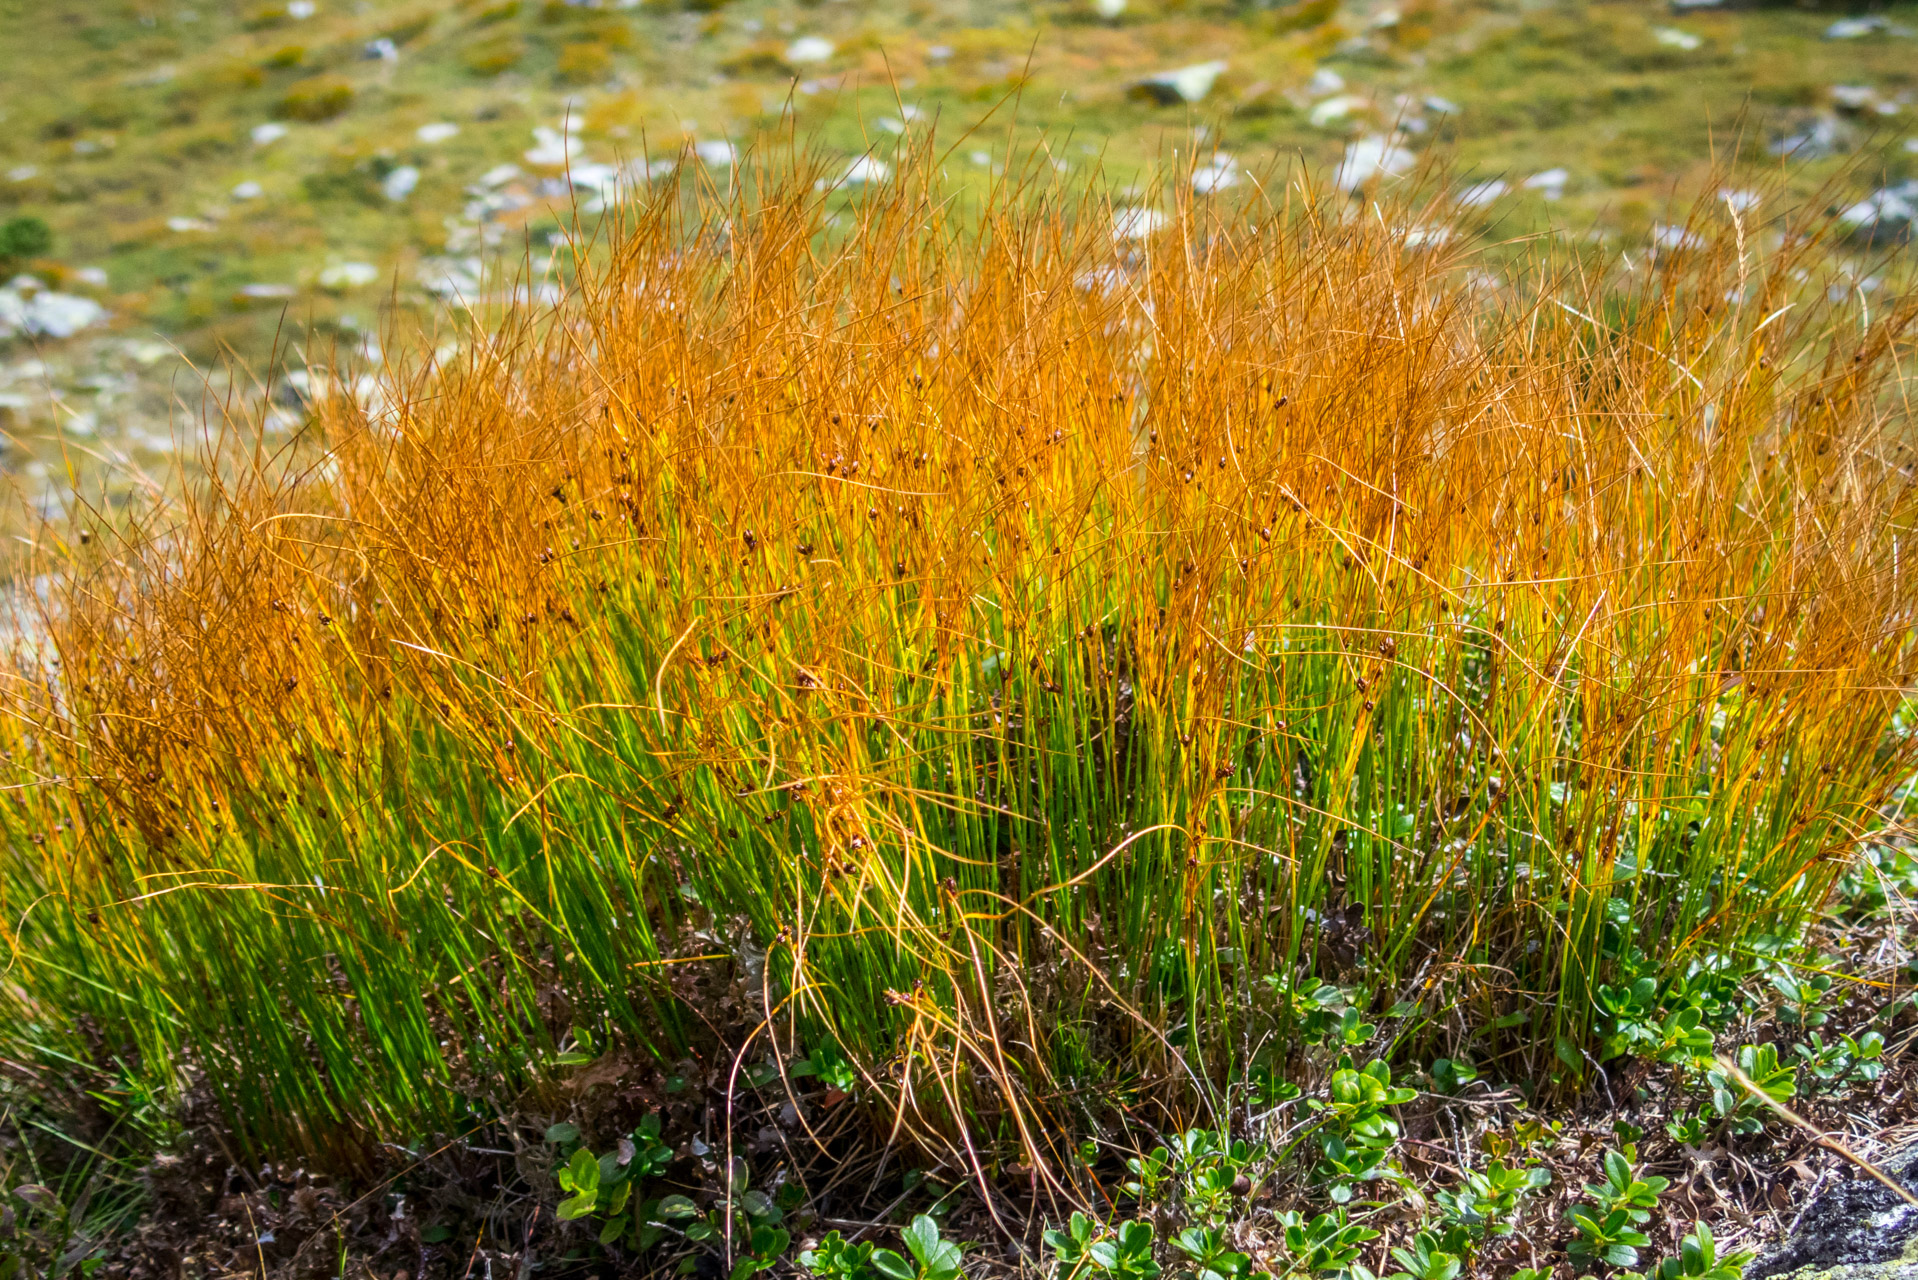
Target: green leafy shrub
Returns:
[1322, 1242]
[1212, 1258]
[1743, 1113]
[1606, 1231]
[1359, 1131]
[931, 1258]
[1086, 1248]
[1698, 1259]
[23, 237]
[1426, 1260]
[1485, 1205]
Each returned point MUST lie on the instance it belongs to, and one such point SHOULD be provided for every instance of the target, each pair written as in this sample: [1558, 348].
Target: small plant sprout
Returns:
[1698, 1259]
[1087, 1248]
[1325, 1242]
[1606, 1231]
[1426, 1260]
[1210, 1256]
[1742, 1112]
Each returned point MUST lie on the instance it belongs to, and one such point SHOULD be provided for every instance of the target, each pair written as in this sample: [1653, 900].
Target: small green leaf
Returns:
[922, 1238]
[677, 1208]
[584, 1170]
[562, 1133]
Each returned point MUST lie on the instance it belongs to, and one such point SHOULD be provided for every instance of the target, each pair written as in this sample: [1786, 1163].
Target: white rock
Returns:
[1822, 136]
[1911, 145]
[554, 149]
[185, 225]
[1325, 81]
[1220, 173]
[399, 184]
[247, 191]
[866, 169]
[1739, 201]
[498, 176]
[46, 314]
[348, 275]
[23, 173]
[938, 52]
[381, 50]
[891, 124]
[1182, 84]
[1332, 110]
[1210, 181]
[437, 132]
[1441, 106]
[1854, 28]
[266, 291]
[301, 10]
[984, 158]
[1677, 39]
[1108, 9]
[451, 277]
[716, 153]
[1136, 223]
[1889, 212]
[92, 277]
[1480, 194]
[1551, 182]
[265, 135]
[599, 183]
[808, 49]
[1671, 238]
[1369, 158]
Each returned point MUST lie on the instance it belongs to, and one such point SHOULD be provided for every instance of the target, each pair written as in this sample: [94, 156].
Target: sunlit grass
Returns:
[1013, 656]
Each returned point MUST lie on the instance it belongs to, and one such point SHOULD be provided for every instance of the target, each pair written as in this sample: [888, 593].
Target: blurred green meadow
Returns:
[227, 184]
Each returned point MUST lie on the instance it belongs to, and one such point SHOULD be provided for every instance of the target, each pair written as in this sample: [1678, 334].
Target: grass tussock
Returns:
[1020, 661]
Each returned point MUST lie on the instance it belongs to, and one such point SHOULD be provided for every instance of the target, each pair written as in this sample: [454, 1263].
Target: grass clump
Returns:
[1027, 672]
[317, 98]
[584, 62]
[493, 53]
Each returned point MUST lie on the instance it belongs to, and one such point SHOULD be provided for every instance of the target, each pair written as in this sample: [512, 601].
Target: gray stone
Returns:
[1855, 1229]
